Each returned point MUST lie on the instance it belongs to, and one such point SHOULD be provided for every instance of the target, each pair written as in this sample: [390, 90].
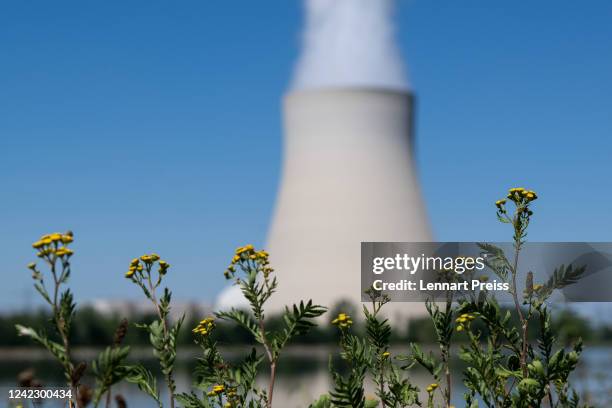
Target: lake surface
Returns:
[303, 375]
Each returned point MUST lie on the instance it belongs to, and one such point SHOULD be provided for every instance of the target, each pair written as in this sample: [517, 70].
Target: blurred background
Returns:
[152, 126]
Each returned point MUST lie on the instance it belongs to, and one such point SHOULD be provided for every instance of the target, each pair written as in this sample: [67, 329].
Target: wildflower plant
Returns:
[368, 355]
[504, 369]
[53, 250]
[227, 385]
[148, 272]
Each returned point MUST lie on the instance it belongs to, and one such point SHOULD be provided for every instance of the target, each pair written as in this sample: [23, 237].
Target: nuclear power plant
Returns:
[348, 168]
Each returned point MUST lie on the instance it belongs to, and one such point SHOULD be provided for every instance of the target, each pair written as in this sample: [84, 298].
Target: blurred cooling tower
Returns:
[348, 176]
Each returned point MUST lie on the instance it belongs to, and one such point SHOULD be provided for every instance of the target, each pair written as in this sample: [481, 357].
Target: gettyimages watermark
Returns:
[420, 271]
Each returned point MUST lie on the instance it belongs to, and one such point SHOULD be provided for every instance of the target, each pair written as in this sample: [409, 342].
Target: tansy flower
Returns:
[386, 354]
[129, 273]
[63, 251]
[432, 387]
[216, 390]
[205, 326]
[163, 267]
[343, 321]
[66, 238]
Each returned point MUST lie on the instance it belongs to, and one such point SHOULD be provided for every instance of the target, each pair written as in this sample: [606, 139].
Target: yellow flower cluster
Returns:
[54, 244]
[386, 354]
[464, 319]
[216, 390]
[431, 387]
[343, 321]
[205, 327]
[137, 265]
[246, 254]
[518, 194]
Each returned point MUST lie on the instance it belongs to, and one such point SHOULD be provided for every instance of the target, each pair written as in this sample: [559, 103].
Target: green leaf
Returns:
[56, 349]
[495, 259]
[298, 321]
[145, 381]
[242, 319]
[109, 369]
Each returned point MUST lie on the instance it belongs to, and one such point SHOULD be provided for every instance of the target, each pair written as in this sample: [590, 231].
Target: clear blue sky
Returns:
[149, 125]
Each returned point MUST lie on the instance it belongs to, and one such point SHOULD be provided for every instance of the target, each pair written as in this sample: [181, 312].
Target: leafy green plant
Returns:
[227, 385]
[110, 366]
[503, 368]
[53, 250]
[369, 355]
[147, 272]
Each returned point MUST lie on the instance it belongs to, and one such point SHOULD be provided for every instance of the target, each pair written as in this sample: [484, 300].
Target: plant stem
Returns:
[61, 328]
[108, 397]
[162, 318]
[271, 385]
[523, 356]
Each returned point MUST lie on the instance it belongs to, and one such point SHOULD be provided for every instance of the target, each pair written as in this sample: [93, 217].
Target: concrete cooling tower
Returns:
[348, 176]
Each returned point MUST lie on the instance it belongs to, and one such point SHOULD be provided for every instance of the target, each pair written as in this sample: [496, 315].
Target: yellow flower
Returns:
[459, 328]
[37, 244]
[537, 287]
[135, 261]
[66, 239]
[343, 321]
[163, 267]
[129, 273]
[386, 354]
[32, 266]
[205, 326]
[61, 251]
[500, 203]
[216, 390]
[246, 248]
